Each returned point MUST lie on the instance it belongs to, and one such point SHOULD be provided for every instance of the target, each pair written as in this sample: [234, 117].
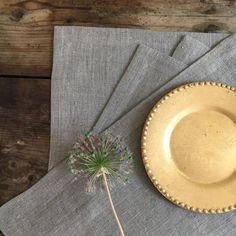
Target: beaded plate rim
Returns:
[145, 158]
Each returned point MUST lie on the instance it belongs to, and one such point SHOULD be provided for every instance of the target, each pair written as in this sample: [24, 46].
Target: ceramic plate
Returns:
[189, 147]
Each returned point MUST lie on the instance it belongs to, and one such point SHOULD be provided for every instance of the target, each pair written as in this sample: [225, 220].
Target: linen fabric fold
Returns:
[148, 70]
[57, 204]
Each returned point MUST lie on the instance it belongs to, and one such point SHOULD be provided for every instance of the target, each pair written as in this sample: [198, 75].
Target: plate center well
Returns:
[203, 146]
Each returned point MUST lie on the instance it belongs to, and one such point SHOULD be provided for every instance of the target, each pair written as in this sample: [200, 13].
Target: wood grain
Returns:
[24, 134]
[26, 27]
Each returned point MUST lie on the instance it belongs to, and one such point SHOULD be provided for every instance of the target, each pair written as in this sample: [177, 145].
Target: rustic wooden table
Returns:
[26, 33]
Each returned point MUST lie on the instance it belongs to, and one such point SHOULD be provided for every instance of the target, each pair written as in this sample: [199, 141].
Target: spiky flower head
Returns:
[95, 155]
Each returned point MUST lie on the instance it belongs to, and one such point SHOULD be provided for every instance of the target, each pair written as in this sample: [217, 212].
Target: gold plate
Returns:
[189, 147]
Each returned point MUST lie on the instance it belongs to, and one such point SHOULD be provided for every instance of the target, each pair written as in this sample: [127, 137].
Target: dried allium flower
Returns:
[101, 156]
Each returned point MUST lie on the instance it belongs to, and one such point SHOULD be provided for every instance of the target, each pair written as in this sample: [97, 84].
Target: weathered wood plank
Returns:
[26, 27]
[24, 134]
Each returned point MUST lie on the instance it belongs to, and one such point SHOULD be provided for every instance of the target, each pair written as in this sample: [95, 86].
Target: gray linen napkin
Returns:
[61, 181]
[87, 65]
[141, 208]
[148, 70]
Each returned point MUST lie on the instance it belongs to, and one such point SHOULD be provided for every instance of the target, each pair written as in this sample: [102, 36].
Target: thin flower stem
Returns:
[112, 205]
